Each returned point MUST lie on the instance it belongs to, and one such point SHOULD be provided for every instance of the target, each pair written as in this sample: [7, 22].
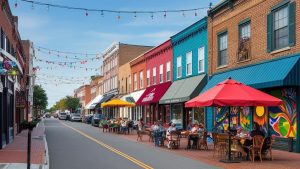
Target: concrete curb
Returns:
[46, 164]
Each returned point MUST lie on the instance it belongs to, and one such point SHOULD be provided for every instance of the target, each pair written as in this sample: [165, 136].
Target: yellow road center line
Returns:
[137, 162]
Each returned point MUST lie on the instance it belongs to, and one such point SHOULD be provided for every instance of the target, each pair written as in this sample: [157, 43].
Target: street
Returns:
[74, 145]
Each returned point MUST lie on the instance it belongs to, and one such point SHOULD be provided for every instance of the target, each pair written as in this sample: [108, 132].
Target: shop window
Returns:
[177, 114]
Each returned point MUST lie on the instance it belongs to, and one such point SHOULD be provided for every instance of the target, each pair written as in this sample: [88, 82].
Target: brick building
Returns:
[255, 42]
[96, 93]
[114, 57]
[12, 84]
[83, 93]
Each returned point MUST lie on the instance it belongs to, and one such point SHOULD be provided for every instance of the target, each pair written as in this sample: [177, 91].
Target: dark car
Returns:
[96, 119]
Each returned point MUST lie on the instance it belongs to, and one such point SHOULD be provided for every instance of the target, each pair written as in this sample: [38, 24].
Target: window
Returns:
[281, 32]
[179, 69]
[189, 63]
[154, 75]
[222, 57]
[168, 71]
[141, 80]
[245, 30]
[134, 82]
[201, 59]
[281, 26]
[161, 73]
[129, 86]
[148, 77]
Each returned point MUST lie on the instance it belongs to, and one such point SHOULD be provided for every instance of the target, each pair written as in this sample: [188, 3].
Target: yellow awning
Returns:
[117, 103]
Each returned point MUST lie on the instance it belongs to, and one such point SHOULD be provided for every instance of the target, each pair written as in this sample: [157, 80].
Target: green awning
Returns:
[283, 71]
[184, 90]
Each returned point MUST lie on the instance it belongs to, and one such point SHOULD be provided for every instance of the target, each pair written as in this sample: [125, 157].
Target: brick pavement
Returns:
[281, 159]
[16, 152]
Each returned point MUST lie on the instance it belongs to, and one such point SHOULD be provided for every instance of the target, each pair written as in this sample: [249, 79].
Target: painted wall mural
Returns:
[245, 118]
[220, 116]
[260, 116]
[283, 119]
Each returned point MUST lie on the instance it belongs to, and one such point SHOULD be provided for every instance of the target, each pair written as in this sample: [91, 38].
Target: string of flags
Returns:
[118, 13]
[60, 62]
[38, 68]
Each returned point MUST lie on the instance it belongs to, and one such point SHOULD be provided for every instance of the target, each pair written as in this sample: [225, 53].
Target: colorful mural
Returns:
[245, 118]
[260, 116]
[221, 116]
[283, 119]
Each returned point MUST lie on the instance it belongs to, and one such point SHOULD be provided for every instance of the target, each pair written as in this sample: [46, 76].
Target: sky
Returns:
[73, 31]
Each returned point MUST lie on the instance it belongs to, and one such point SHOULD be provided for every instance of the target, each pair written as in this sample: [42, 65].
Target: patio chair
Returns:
[267, 146]
[203, 141]
[174, 139]
[256, 147]
[221, 144]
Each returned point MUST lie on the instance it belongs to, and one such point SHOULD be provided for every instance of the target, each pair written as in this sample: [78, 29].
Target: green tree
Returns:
[72, 103]
[40, 100]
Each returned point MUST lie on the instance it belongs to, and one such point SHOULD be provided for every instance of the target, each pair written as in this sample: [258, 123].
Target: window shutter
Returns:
[292, 26]
[269, 32]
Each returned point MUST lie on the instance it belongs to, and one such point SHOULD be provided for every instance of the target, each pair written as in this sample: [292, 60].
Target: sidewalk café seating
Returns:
[174, 139]
[267, 146]
[256, 147]
[158, 138]
[221, 144]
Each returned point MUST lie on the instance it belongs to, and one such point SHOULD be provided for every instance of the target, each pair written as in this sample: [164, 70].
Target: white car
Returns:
[62, 116]
[75, 117]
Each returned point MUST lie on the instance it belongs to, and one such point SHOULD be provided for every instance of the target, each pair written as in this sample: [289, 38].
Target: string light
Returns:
[87, 10]
[32, 7]
[183, 14]
[152, 16]
[135, 15]
[119, 17]
[16, 4]
[196, 13]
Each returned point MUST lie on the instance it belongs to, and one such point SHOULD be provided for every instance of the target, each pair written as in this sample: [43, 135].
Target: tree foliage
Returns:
[40, 99]
[67, 103]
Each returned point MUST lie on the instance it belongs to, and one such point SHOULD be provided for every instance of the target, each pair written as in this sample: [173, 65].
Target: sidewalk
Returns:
[281, 159]
[14, 155]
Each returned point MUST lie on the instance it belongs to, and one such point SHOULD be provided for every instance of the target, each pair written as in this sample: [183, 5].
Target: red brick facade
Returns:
[228, 18]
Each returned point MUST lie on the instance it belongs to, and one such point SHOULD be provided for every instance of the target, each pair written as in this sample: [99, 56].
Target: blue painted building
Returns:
[189, 73]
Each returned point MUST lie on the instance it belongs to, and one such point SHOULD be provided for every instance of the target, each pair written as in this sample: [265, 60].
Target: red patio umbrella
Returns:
[232, 93]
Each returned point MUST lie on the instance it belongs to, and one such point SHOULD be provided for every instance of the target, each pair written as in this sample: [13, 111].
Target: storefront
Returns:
[133, 113]
[278, 77]
[109, 112]
[149, 100]
[92, 104]
[180, 92]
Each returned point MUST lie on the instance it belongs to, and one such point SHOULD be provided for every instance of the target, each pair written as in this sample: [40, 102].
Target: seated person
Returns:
[201, 130]
[193, 136]
[239, 147]
[172, 127]
[256, 131]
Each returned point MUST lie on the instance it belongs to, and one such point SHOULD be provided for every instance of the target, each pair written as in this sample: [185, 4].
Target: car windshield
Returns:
[76, 115]
[62, 113]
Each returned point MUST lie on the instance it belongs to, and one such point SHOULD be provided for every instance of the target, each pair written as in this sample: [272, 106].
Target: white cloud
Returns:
[27, 22]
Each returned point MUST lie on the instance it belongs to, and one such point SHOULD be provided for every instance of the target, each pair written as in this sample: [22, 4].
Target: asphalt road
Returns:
[74, 145]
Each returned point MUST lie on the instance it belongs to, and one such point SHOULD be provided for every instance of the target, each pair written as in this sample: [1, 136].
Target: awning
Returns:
[117, 103]
[106, 98]
[92, 104]
[153, 93]
[184, 90]
[133, 97]
[277, 72]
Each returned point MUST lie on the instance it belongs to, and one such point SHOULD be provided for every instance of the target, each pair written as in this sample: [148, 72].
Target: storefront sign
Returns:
[150, 96]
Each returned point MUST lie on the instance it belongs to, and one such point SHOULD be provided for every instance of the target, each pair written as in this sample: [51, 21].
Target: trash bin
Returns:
[290, 144]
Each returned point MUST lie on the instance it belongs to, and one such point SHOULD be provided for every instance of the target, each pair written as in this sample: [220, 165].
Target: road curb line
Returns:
[46, 164]
[132, 159]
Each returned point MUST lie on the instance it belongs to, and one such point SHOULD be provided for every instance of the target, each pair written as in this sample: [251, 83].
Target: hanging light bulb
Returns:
[135, 16]
[119, 17]
[32, 6]
[165, 14]
[102, 13]
[152, 16]
[183, 14]
[86, 13]
[16, 4]
[48, 8]
[196, 13]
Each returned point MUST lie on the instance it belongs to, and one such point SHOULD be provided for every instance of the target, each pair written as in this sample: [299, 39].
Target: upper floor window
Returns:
[222, 49]
[201, 59]
[141, 80]
[168, 71]
[148, 77]
[134, 82]
[244, 45]
[244, 30]
[154, 75]
[281, 26]
[189, 63]
[179, 68]
[161, 73]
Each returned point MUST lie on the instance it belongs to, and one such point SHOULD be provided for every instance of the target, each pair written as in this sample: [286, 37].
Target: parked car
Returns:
[96, 119]
[55, 115]
[62, 116]
[87, 119]
[75, 117]
[68, 116]
[47, 115]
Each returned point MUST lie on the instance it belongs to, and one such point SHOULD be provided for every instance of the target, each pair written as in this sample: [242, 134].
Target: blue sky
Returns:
[69, 30]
